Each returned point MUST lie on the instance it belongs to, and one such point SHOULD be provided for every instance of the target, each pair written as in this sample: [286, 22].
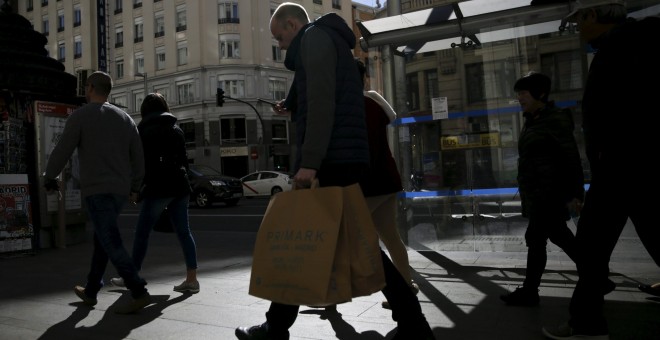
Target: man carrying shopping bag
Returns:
[331, 143]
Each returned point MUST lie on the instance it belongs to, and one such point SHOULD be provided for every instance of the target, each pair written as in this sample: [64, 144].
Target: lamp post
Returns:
[143, 75]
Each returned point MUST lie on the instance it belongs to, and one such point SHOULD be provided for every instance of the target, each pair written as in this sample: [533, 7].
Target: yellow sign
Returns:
[483, 140]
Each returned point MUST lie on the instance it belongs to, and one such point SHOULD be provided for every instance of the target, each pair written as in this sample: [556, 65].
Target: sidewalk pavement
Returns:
[459, 294]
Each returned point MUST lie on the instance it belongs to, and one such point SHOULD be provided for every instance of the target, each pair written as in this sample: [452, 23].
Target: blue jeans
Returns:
[149, 213]
[104, 210]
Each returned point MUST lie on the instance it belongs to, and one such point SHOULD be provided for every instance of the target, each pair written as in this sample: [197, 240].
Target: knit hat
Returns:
[582, 4]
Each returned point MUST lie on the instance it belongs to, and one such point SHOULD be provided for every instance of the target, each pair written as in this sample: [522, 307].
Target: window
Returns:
[181, 18]
[159, 23]
[280, 131]
[233, 130]
[119, 68]
[277, 53]
[60, 20]
[233, 88]
[138, 97]
[412, 87]
[139, 62]
[318, 2]
[163, 90]
[137, 3]
[61, 51]
[188, 133]
[44, 3]
[160, 57]
[77, 15]
[77, 47]
[30, 5]
[490, 80]
[336, 4]
[230, 46]
[45, 29]
[138, 31]
[432, 88]
[277, 88]
[119, 36]
[118, 6]
[181, 53]
[228, 12]
[185, 94]
[564, 69]
[119, 101]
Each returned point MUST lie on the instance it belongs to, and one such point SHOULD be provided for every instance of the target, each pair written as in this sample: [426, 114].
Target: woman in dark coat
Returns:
[166, 185]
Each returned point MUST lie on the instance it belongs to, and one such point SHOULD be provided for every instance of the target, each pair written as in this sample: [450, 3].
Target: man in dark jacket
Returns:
[550, 180]
[620, 129]
[331, 143]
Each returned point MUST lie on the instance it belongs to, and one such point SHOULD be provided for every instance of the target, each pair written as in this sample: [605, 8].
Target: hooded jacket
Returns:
[166, 160]
[319, 105]
[549, 165]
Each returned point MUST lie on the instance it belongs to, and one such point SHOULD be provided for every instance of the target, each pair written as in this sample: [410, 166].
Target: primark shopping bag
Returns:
[366, 264]
[296, 249]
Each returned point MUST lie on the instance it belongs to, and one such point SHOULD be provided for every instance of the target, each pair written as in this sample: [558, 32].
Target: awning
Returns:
[471, 23]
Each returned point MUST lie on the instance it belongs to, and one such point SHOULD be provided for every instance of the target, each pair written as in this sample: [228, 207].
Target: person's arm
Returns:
[319, 59]
[137, 162]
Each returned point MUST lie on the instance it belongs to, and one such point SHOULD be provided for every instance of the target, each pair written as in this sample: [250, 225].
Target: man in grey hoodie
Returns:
[111, 171]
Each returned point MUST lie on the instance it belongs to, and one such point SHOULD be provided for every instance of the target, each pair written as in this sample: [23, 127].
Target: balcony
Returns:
[119, 44]
[159, 34]
[229, 21]
[181, 28]
[138, 39]
[118, 10]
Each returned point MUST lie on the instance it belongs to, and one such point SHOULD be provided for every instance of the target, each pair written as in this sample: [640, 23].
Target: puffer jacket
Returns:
[549, 166]
[166, 160]
[348, 138]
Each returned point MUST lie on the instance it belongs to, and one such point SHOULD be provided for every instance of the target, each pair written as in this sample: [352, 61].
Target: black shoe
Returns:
[650, 289]
[522, 297]
[259, 332]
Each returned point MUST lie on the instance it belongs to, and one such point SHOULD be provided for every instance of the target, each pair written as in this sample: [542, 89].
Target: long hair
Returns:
[154, 102]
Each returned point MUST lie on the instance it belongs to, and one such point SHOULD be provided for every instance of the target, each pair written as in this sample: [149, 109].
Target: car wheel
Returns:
[275, 190]
[202, 199]
[232, 202]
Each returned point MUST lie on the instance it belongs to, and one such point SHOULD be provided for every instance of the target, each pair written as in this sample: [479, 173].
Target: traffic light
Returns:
[220, 97]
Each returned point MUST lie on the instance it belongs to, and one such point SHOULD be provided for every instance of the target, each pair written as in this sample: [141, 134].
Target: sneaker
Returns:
[259, 332]
[413, 286]
[135, 305]
[80, 292]
[567, 332]
[117, 281]
[522, 297]
[187, 287]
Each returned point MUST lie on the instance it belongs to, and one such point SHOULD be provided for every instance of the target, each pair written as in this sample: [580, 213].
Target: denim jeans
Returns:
[149, 212]
[104, 210]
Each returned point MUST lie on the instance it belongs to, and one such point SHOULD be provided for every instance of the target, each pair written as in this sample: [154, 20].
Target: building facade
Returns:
[186, 50]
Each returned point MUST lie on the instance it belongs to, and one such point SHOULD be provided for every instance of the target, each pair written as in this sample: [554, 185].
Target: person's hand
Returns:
[279, 109]
[574, 207]
[303, 178]
[51, 185]
[133, 198]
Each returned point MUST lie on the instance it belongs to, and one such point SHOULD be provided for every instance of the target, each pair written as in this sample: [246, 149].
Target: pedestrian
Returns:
[111, 171]
[620, 123]
[166, 186]
[550, 180]
[331, 143]
[383, 181]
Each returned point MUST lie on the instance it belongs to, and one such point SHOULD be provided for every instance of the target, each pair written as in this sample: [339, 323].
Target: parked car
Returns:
[265, 183]
[209, 186]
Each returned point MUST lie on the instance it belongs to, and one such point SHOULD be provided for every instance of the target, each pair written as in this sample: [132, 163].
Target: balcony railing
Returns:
[181, 28]
[159, 34]
[119, 44]
[138, 39]
[229, 21]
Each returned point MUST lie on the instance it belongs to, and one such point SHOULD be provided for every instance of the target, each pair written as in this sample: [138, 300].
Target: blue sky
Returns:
[371, 3]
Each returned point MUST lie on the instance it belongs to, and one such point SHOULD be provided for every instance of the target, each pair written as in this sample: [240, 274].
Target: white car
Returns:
[265, 183]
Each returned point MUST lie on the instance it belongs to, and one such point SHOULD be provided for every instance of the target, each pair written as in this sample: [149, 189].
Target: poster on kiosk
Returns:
[50, 118]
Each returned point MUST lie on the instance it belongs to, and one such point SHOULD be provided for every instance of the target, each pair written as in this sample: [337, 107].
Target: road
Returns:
[244, 217]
